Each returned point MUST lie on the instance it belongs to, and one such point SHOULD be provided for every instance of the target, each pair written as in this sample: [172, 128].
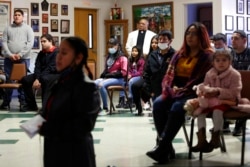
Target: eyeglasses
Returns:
[191, 33]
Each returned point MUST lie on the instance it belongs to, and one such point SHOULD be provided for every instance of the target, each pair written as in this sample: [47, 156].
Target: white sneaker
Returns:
[146, 106]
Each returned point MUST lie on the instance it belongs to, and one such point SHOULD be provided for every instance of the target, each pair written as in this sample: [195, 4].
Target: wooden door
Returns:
[86, 28]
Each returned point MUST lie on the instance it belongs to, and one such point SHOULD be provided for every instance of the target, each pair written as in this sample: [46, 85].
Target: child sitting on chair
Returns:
[225, 83]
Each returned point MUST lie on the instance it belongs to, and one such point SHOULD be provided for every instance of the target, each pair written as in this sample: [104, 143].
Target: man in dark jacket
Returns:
[44, 65]
[154, 71]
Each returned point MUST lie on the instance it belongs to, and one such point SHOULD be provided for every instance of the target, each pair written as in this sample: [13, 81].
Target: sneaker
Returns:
[146, 106]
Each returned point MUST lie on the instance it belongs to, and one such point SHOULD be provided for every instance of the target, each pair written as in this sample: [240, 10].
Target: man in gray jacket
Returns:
[17, 42]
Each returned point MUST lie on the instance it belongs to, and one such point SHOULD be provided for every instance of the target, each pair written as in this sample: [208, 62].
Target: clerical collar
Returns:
[142, 31]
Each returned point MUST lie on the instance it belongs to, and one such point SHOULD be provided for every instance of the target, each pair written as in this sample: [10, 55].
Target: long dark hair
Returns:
[131, 58]
[203, 38]
[80, 47]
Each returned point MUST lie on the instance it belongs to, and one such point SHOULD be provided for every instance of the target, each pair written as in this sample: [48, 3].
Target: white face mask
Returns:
[112, 50]
[163, 46]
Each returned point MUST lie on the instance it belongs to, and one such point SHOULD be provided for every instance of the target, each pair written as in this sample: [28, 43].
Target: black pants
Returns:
[27, 83]
[136, 91]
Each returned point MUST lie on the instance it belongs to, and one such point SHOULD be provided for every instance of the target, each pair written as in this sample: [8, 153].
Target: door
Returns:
[86, 28]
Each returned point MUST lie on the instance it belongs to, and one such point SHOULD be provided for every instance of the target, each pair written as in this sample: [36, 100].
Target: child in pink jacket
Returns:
[225, 83]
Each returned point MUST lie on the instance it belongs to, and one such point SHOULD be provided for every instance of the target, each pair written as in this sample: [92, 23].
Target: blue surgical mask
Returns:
[112, 50]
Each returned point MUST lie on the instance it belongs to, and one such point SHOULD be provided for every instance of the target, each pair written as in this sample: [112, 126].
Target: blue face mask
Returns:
[112, 50]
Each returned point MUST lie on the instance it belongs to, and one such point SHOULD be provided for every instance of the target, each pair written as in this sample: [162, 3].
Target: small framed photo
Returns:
[229, 38]
[45, 30]
[36, 42]
[229, 23]
[25, 14]
[248, 23]
[56, 41]
[34, 9]
[240, 23]
[240, 7]
[45, 18]
[54, 25]
[248, 40]
[248, 7]
[65, 26]
[54, 9]
[64, 10]
[35, 25]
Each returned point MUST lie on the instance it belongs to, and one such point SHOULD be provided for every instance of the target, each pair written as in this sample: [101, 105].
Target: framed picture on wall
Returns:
[34, 9]
[45, 30]
[229, 40]
[64, 9]
[248, 23]
[240, 6]
[45, 18]
[54, 9]
[36, 42]
[5, 15]
[229, 25]
[248, 7]
[161, 19]
[35, 25]
[65, 26]
[54, 25]
[25, 14]
[56, 40]
[240, 23]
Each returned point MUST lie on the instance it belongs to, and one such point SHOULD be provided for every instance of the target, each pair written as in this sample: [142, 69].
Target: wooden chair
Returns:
[234, 115]
[111, 90]
[17, 73]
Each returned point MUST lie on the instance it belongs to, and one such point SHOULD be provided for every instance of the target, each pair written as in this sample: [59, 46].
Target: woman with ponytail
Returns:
[70, 109]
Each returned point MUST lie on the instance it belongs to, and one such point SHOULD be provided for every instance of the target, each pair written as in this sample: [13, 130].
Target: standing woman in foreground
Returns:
[186, 69]
[71, 107]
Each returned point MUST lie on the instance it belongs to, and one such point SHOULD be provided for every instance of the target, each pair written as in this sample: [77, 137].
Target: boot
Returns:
[128, 104]
[165, 151]
[215, 140]
[121, 102]
[202, 145]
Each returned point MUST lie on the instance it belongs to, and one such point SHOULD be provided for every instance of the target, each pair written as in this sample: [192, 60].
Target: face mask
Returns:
[219, 49]
[112, 50]
[163, 46]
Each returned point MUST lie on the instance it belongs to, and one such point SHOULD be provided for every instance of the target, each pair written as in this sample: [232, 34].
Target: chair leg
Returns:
[185, 133]
[191, 139]
[222, 141]
[126, 94]
[243, 142]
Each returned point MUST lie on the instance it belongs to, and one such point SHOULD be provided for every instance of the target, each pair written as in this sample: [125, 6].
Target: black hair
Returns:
[138, 48]
[48, 37]
[80, 47]
[220, 36]
[19, 11]
[166, 33]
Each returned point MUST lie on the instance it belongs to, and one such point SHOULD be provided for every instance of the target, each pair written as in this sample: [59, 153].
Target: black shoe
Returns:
[25, 108]
[156, 155]
[237, 132]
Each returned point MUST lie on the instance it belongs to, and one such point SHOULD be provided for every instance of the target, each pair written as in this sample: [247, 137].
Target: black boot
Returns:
[162, 153]
[128, 104]
[121, 102]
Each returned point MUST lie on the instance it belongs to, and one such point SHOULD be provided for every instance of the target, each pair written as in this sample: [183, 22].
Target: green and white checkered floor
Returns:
[121, 140]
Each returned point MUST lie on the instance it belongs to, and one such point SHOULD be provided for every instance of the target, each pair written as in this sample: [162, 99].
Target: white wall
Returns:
[103, 6]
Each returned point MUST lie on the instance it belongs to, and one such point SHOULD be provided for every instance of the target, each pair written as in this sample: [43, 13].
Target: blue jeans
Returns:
[130, 83]
[8, 92]
[103, 84]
